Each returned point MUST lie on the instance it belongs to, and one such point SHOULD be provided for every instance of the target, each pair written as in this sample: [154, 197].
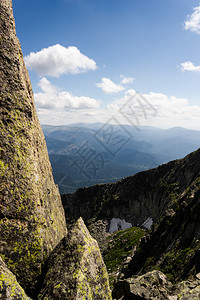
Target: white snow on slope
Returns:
[148, 223]
[118, 224]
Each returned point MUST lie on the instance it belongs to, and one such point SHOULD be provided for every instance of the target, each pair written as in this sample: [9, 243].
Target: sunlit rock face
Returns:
[32, 218]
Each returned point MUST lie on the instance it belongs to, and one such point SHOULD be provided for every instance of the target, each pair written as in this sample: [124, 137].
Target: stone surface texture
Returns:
[9, 287]
[32, 219]
[155, 286]
[76, 269]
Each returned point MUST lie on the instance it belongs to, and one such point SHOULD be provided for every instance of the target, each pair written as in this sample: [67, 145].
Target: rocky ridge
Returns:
[170, 195]
[136, 198]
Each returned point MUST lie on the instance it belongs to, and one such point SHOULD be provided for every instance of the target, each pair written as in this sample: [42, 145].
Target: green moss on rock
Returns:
[120, 246]
[176, 260]
[173, 246]
[32, 219]
[76, 269]
[9, 287]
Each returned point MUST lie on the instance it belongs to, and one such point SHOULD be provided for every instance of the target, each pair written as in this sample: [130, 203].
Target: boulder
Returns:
[76, 269]
[156, 286]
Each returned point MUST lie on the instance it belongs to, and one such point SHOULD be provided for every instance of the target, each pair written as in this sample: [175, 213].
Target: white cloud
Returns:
[57, 60]
[170, 111]
[109, 87]
[58, 107]
[127, 80]
[46, 86]
[52, 98]
[193, 21]
[189, 66]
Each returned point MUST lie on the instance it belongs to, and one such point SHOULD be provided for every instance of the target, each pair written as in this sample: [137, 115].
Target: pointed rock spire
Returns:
[32, 219]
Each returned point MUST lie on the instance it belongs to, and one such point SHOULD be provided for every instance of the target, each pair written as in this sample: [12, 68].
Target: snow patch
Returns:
[148, 223]
[118, 224]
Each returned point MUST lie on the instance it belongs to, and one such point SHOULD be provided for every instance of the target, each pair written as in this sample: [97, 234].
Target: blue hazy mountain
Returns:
[84, 154]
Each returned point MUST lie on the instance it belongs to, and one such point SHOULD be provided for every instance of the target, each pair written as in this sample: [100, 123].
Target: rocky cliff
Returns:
[174, 243]
[32, 221]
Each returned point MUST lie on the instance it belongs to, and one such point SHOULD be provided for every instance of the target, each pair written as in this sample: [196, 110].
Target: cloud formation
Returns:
[189, 66]
[64, 108]
[109, 87]
[52, 99]
[57, 60]
[127, 80]
[193, 21]
[170, 111]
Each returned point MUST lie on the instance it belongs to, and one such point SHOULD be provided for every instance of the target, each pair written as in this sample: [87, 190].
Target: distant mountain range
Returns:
[86, 154]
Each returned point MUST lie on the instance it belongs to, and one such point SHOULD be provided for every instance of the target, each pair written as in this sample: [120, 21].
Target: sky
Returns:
[134, 61]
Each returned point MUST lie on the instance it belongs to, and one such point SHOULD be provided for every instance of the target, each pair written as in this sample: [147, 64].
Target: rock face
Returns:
[75, 268]
[172, 247]
[9, 287]
[32, 219]
[152, 285]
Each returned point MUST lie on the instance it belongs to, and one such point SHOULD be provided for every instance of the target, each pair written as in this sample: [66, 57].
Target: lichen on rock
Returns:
[9, 287]
[32, 219]
[76, 269]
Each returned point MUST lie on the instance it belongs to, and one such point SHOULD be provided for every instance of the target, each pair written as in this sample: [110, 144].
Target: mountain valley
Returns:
[80, 159]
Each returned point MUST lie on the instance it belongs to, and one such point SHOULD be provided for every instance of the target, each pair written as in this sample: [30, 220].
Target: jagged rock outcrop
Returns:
[156, 286]
[32, 219]
[9, 287]
[76, 269]
[136, 198]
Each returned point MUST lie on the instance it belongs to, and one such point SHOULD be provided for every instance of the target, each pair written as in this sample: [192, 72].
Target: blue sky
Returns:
[117, 47]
